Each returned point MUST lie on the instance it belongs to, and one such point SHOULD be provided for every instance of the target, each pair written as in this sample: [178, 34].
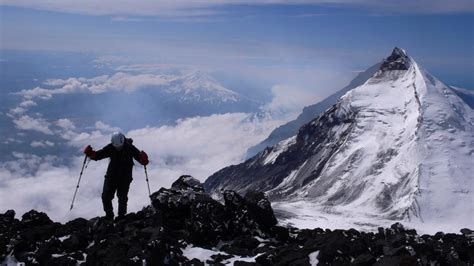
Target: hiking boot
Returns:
[109, 217]
[120, 217]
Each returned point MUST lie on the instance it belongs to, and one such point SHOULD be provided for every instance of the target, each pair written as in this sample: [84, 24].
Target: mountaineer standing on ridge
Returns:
[121, 152]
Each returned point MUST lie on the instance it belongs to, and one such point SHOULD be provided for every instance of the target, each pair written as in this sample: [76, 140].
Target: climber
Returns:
[119, 172]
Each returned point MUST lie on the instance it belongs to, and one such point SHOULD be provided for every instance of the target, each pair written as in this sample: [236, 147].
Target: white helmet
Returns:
[118, 139]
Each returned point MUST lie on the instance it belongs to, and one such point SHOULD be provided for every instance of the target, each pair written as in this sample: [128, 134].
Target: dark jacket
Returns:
[121, 162]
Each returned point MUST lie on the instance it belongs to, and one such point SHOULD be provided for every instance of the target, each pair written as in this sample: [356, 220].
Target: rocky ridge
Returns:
[242, 230]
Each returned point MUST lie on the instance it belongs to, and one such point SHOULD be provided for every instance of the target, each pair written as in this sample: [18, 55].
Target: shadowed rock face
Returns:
[243, 226]
[398, 60]
[315, 139]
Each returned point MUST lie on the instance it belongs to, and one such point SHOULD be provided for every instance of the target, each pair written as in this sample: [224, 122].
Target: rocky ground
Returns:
[243, 230]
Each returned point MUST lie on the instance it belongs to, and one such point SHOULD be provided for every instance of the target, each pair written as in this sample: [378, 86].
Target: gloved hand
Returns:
[89, 151]
[143, 158]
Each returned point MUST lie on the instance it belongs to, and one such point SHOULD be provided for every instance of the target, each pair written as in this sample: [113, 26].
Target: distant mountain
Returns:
[399, 146]
[200, 87]
[309, 113]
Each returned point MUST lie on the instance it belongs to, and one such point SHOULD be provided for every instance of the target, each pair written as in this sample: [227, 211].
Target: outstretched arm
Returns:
[97, 155]
[140, 156]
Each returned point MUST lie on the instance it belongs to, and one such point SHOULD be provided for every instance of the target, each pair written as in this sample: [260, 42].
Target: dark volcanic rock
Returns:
[241, 227]
[34, 218]
[187, 182]
[260, 208]
[77, 225]
[398, 60]
[207, 222]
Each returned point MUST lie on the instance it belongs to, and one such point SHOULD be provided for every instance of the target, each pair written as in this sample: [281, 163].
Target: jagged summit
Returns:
[399, 52]
[398, 60]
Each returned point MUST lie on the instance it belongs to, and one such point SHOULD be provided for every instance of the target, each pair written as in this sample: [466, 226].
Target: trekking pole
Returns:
[79, 181]
[148, 184]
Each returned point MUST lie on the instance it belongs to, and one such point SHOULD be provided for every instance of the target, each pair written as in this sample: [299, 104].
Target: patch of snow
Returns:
[232, 260]
[90, 244]
[281, 147]
[313, 258]
[202, 254]
[260, 239]
[309, 215]
[11, 260]
[64, 238]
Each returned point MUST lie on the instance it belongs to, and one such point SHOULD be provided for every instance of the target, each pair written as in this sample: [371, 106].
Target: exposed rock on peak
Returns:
[398, 60]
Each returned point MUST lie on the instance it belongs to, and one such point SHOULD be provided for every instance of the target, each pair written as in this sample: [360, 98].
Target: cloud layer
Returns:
[197, 146]
[118, 82]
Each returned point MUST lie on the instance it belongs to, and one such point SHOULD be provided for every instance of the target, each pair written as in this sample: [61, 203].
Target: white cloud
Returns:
[26, 122]
[27, 103]
[36, 92]
[65, 124]
[197, 146]
[118, 82]
[12, 140]
[41, 144]
[291, 99]
[202, 145]
[33, 182]
[105, 127]
[17, 111]
[21, 108]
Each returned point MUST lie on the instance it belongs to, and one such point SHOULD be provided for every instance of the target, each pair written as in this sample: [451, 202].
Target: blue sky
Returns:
[301, 43]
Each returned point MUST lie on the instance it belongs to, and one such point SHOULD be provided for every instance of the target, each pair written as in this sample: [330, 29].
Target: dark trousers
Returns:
[110, 187]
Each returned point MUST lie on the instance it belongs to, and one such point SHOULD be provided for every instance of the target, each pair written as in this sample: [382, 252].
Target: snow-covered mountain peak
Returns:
[399, 146]
[199, 86]
[200, 80]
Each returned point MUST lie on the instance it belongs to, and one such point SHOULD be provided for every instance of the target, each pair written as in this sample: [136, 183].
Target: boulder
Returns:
[35, 218]
[187, 182]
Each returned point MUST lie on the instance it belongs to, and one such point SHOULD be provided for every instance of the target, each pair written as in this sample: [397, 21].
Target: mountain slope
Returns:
[200, 87]
[399, 146]
[310, 112]
[466, 95]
